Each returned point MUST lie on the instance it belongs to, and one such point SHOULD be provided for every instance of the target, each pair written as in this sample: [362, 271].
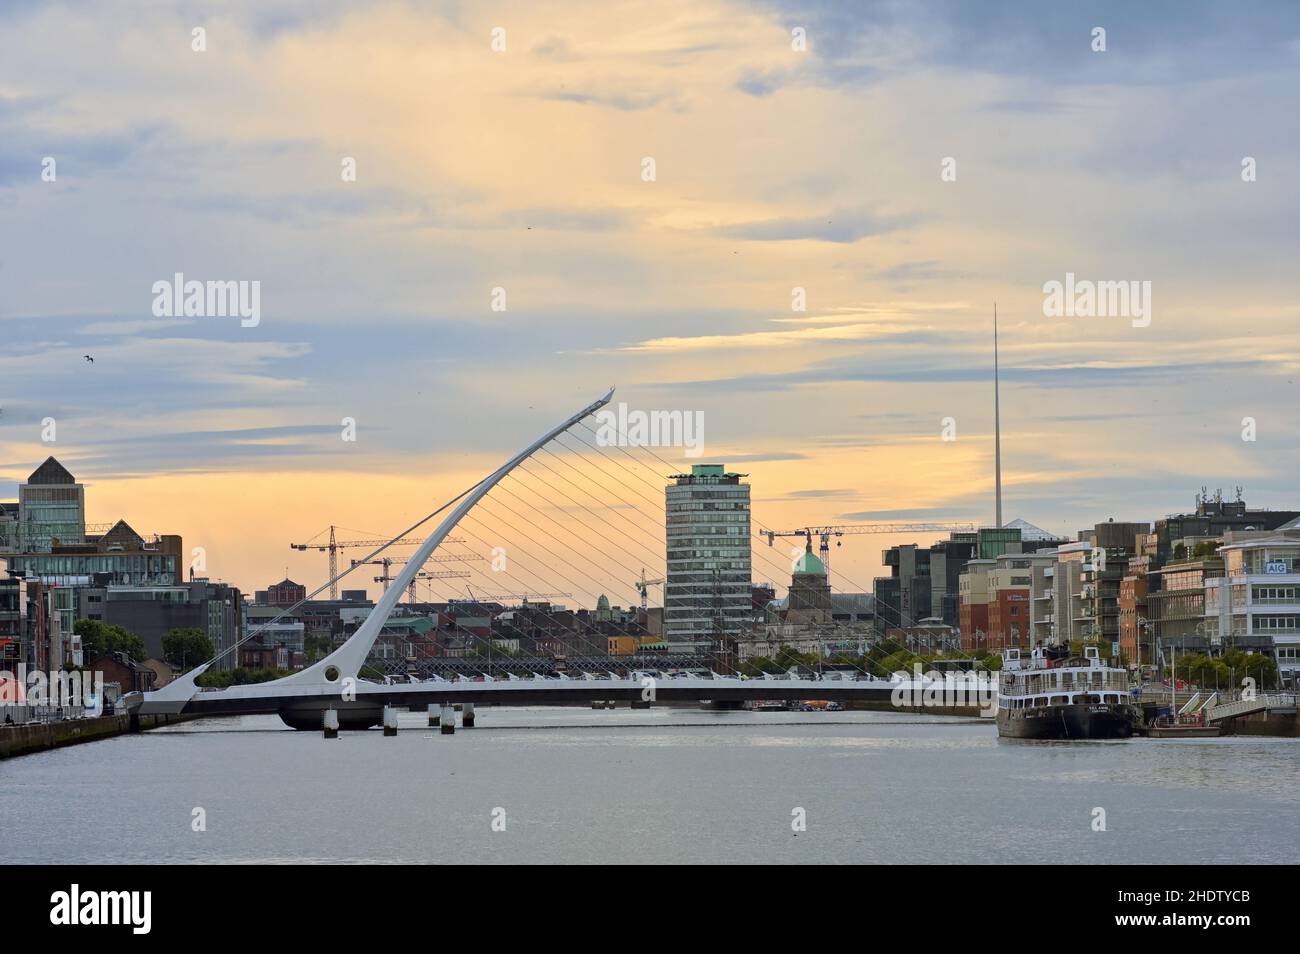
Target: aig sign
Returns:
[1276, 566]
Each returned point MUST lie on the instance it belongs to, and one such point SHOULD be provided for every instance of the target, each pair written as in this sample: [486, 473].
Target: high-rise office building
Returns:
[51, 507]
[708, 595]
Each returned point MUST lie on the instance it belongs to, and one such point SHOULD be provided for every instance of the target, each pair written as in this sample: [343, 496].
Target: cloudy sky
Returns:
[775, 168]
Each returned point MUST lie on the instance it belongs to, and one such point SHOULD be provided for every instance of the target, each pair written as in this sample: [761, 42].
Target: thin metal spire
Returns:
[997, 424]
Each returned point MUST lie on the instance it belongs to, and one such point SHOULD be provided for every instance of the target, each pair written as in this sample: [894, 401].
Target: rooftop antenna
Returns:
[997, 424]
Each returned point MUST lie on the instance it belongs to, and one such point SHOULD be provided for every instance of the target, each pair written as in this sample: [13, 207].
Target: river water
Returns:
[663, 785]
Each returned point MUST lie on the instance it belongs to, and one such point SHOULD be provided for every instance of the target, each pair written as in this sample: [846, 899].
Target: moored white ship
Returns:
[1053, 695]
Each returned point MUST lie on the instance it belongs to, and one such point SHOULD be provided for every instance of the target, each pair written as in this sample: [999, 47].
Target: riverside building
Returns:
[708, 593]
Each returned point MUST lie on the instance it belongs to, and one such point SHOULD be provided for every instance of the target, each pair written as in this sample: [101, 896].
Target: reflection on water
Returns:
[660, 785]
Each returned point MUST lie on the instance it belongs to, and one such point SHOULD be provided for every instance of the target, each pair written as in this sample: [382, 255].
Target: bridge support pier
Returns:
[467, 715]
[434, 715]
[390, 721]
[448, 719]
[330, 723]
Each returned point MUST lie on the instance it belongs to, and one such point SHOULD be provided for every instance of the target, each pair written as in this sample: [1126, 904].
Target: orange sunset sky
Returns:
[521, 168]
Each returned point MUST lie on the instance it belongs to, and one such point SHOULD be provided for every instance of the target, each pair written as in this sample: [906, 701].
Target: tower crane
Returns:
[642, 585]
[389, 562]
[422, 575]
[335, 545]
[824, 534]
[499, 597]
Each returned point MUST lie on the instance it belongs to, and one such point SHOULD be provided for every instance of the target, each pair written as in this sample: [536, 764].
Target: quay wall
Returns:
[1265, 723]
[26, 739]
[884, 705]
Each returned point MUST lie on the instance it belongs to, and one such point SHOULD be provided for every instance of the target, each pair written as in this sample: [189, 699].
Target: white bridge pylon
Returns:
[327, 675]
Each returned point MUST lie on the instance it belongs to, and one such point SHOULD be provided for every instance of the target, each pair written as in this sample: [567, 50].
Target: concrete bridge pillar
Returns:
[467, 715]
[448, 719]
[434, 715]
[390, 721]
[330, 723]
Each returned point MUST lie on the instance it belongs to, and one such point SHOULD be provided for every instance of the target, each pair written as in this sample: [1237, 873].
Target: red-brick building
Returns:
[1132, 613]
[285, 593]
[253, 655]
[974, 626]
[125, 671]
[1009, 618]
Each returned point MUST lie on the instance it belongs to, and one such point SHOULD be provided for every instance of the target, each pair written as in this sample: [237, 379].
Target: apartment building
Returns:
[1255, 605]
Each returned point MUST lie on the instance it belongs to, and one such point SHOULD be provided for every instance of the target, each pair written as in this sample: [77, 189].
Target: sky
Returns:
[907, 167]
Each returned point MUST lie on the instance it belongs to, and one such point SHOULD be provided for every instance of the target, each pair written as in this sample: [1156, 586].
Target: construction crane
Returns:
[642, 585]
[499, 597]
[389, 562]
[422, 575]
[335, 545]
[824, 534]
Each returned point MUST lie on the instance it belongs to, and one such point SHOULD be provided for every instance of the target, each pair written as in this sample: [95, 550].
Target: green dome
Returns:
[603, 602]
[808, 563]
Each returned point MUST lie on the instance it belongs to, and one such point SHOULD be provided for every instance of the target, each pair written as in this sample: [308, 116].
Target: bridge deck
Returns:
[249, 700]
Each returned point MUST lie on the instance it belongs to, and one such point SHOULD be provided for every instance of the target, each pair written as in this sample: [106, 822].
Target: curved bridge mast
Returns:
[326, 676]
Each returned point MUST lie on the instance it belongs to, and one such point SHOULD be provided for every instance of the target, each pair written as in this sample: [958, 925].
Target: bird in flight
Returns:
[89, 358]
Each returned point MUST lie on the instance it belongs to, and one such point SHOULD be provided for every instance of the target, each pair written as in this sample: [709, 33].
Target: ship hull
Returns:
[1084, 721]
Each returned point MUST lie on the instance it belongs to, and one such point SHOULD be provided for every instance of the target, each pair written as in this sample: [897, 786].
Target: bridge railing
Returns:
[1263, 702]
[456, 668]
[19, 713]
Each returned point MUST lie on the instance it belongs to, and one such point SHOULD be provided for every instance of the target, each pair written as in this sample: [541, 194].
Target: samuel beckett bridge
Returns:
[605, 534]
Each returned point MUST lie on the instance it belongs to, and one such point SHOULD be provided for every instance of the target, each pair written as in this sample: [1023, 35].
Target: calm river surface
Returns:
[664, 785]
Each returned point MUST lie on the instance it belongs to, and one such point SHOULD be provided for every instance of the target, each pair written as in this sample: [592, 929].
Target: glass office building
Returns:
[708, 590]
[51, 507]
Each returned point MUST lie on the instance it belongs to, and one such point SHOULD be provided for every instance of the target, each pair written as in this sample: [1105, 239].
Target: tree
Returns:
[1201, 670]
[1210, 672]
[317, 646]
[787, 658]
[100, 639]
[1259, 667]
[225, 678]
[186, 648]
[901, 661]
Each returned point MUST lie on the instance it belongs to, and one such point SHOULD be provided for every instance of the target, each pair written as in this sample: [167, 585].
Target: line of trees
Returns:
[187, 648]
[183, 648]
[1228, 670]
[885, 657]
[240, 676]
[103, 639]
